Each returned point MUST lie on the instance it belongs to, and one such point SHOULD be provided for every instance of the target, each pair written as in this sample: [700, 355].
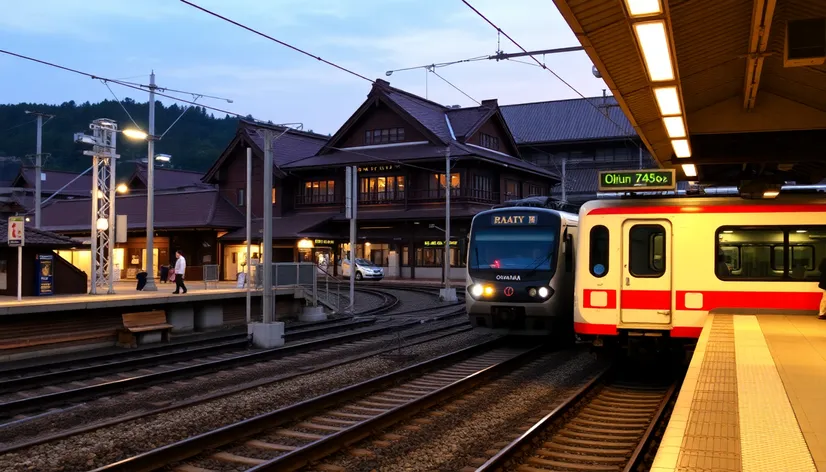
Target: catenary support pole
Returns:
[93, 290]
[354, 203]
[38, 176]
[112, 184]
[267, 296]
[248, 203]
[150, 192]
[448, 190]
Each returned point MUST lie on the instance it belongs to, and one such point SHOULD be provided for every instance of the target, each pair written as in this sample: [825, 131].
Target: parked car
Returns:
[364, 270]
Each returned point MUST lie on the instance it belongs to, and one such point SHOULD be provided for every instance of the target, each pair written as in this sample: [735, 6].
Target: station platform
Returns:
[753, 399]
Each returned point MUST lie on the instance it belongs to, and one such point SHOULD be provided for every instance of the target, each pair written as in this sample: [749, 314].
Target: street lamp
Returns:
[150, 193]
[122, 188]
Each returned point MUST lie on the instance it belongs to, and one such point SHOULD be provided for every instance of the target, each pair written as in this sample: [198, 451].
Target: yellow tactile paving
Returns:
[770, 437]
[669, 451]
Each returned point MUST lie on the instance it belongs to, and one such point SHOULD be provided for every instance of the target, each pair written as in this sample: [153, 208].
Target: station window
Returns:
[598, 259]
[646, 253]
[770, 253]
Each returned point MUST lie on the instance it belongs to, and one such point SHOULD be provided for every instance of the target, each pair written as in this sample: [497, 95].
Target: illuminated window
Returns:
[437, 185]
[381, 189]
[273, 196]
[318, 191]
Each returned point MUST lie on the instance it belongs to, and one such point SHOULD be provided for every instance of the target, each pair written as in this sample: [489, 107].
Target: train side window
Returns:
[761, 254]
[598, 252]
[646, 254]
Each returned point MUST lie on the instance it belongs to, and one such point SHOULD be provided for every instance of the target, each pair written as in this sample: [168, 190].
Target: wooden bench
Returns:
[143, 322]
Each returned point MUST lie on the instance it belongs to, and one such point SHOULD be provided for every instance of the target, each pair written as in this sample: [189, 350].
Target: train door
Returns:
[646, 292]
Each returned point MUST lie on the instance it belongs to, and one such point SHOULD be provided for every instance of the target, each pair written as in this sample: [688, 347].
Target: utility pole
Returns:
[448, 294]
[267, 297]
[248, 202]
[351, 205]
[38, 166]
[150, 192]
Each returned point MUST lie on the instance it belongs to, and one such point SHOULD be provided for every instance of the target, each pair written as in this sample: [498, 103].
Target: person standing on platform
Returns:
[180, 270]
[822, 286]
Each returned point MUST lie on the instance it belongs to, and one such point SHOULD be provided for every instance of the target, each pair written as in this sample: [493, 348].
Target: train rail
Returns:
[385, 341]
[292, 437]
[607, 425]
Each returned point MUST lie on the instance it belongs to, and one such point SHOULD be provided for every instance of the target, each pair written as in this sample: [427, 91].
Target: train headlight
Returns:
[476, 290]
[532, 292]
[543, 292]
[489, 291]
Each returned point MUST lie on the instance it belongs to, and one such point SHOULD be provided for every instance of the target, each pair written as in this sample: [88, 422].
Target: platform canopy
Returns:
[734, 90]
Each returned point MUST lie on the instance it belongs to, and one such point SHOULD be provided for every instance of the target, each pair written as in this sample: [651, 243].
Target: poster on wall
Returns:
[45, 275]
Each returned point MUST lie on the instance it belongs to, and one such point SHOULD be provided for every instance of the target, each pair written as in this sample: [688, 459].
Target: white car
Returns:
[364, 270]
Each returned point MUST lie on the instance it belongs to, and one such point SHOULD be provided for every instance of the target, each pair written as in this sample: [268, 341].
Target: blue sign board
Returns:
[45, 274]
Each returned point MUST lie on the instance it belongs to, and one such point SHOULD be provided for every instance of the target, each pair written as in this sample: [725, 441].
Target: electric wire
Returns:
[543, 66]
[121, 104]
[119, 82]
[264, 35]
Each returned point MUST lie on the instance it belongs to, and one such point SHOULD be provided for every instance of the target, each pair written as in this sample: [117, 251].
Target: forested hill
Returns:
[195, 141]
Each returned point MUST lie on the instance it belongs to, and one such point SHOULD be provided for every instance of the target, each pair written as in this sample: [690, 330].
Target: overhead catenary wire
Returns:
[542, 65]
[119, 82]
[285, 44]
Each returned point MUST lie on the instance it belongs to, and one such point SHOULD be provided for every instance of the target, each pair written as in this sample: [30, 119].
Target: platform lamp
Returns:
[150, 200]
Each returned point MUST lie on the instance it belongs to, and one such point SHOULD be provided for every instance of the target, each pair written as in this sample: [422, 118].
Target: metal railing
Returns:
[327, 294]
[290, 274]
[211, 275]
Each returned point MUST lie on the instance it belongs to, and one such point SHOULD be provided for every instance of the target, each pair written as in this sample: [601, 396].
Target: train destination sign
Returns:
[639, 180]
[501, 220]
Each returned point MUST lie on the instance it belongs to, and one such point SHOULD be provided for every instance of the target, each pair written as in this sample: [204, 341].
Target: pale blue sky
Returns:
[193, 51]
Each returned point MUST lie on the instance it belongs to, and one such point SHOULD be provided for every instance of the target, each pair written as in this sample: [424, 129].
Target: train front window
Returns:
[512, 249]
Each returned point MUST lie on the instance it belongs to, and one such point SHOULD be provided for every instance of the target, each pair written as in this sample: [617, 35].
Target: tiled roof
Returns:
[290, 146]
[414, 152]
[464, 120]
[171, 179]
[285, 227]
[430, 114]
[189, 209]
[41, 238]
[567, 120]
[55, 180]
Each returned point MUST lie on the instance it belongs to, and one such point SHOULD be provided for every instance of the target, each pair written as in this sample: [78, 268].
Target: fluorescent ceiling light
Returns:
[643, 7]
[674, 126]
[654, 45]
[667, 100]
[681, 148]
[690, 170]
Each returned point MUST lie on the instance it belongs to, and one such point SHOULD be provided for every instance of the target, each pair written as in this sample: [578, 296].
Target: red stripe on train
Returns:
[667, 209]
[765, 300]
[661, 300]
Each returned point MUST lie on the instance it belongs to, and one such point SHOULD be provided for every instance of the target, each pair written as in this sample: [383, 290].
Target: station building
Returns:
[399, 143]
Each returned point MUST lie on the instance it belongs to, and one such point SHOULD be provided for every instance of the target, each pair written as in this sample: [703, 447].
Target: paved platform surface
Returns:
[753, 398]
[125, 295]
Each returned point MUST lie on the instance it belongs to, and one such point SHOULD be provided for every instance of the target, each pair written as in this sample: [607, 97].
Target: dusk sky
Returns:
[193, 51]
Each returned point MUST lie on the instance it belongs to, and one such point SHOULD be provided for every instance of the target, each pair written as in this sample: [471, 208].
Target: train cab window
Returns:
[598, 259]
[646, 253]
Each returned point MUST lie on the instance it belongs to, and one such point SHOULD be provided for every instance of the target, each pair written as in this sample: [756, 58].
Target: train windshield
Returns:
[512, 249]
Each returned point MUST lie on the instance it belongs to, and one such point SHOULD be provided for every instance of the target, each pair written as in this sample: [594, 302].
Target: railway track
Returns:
[292, 437]
[390, 342]
[28, 391]
[606, 426]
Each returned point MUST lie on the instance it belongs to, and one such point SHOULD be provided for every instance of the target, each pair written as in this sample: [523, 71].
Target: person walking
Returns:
[180, 270]
[822, 286]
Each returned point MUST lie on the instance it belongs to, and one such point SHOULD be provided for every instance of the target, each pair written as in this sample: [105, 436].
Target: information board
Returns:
[637, 180]
[17, 231]
[45, 274]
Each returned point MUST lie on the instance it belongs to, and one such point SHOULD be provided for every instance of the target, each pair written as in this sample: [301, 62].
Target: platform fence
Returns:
[211, 275]
[291, 274]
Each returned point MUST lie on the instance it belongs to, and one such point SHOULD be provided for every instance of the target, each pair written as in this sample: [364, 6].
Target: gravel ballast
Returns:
[112, 444]
[449, 436]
